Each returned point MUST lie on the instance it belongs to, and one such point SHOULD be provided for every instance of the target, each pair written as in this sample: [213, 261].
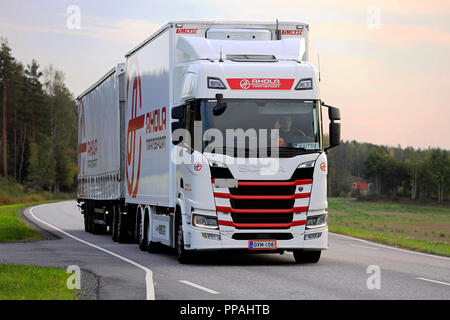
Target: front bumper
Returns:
[226, 242]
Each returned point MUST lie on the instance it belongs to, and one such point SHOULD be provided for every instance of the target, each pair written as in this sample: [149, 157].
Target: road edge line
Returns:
[150, 289]
[197, 286]
[390, 247]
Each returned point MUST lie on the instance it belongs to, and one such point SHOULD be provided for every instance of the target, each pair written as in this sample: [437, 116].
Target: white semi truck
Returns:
[209, 138]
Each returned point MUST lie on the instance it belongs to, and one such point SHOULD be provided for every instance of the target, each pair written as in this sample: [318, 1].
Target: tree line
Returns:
[39, 125]
[39, 143]
[391, 171]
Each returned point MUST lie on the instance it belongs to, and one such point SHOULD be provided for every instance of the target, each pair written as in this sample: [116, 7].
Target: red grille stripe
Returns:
[262, 225]
[293, 210]
[230, 196]
[273, 183]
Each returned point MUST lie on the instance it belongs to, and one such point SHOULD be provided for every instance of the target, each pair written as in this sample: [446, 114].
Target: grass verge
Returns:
[13, 228]
[415, 227]
[34, 283]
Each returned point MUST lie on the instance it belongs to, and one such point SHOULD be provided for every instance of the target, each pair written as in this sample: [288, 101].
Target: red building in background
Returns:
[360, 184]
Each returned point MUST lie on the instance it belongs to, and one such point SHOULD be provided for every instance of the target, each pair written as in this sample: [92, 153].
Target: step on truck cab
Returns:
[218, 136]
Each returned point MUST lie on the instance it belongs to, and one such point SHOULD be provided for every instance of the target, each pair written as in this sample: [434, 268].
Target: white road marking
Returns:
[148, 273]
[392, 248]
[435, 281]
[198, 286]
[366, 247]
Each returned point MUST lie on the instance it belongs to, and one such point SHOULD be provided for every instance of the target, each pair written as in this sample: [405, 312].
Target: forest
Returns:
[39, 126]
[39, 144]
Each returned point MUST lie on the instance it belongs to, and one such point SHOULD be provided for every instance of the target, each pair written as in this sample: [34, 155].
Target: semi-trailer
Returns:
[209, 137]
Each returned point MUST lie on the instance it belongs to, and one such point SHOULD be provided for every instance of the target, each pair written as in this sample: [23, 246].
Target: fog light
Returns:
[312, 236]
[211, 236]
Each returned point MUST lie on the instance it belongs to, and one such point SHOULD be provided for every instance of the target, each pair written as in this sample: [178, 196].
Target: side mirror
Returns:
[178, 112]
[335, 134]
[221, 106]
[334, 114]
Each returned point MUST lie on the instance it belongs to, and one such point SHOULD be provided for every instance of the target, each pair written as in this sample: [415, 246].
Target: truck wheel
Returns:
[89, 216]
[85, 216]
[142, 232]
[115, 220]
[307, 256]
[183, 255]
[152, 247]
[121, 228]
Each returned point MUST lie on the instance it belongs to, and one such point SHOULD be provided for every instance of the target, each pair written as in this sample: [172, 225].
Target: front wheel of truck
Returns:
[183, 255]
[302, 256]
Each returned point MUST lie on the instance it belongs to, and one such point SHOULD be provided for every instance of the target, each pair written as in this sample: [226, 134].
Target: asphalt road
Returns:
[125, 272]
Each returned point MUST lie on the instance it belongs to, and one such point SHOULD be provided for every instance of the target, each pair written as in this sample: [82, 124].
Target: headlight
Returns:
[304, 84]
[205, 221]
[217, 164]
[309, 164]
[316, 221]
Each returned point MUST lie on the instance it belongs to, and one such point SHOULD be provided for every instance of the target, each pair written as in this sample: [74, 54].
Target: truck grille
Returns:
[262, 217]
[266, 204]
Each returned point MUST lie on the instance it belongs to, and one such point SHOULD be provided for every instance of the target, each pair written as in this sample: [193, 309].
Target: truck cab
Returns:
[251, 161]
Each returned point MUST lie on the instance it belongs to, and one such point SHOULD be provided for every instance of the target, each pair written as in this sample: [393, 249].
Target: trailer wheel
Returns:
[85, 216]
[307, 256]
[89, 216]
[121, 228]
[142, 231]
[115, 220]
[183, 255]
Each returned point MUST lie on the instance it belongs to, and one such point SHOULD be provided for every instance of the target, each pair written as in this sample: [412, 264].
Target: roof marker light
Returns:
[215, 83]
[304, 84]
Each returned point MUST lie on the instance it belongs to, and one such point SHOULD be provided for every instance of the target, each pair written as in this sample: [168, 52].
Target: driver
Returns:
[287, 134]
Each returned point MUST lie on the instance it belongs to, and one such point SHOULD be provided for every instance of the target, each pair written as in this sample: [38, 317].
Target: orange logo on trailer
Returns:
[81, 136]
[136, 122]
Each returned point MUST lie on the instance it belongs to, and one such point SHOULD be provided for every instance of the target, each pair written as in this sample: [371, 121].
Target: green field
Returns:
[34, 283]
[417, 227]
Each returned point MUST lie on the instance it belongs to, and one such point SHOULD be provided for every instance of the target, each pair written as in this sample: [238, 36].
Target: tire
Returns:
[85, 215]
[121, 228]
[114, 223]
[307, 256]
[89, 217]
[183, 255]
[142, 232]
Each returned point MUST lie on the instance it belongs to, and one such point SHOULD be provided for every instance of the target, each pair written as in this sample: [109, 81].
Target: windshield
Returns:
[296, 122]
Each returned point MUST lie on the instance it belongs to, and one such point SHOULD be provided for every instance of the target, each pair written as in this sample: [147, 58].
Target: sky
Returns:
[384, 63]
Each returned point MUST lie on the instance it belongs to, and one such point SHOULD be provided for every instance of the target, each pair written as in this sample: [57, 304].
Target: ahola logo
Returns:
[292, 32]
[323, 166]
[260, 84]
[245, 84]
[198, 166]
[187, 31]
[136, 122]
